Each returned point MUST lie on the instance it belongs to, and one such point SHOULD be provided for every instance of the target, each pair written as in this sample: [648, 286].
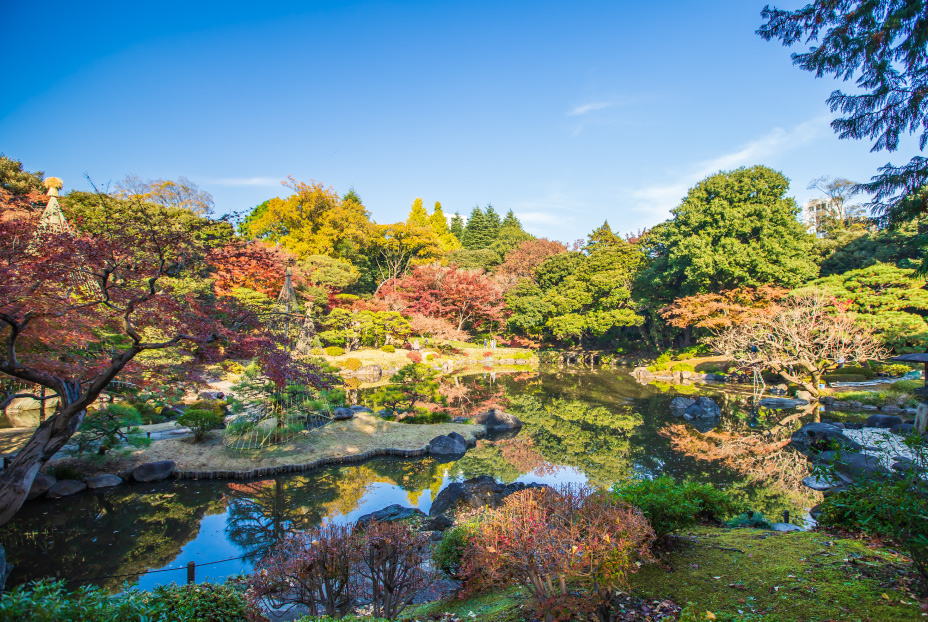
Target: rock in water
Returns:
[103, 481]
[389, 514]
[65, 488]
[497, 420]
[476, 492]
[447, 445]
[40, 485]
[458, 437]
[883, 421]
[703, 408]
[821, 436]
[678, 405]
[153, 471]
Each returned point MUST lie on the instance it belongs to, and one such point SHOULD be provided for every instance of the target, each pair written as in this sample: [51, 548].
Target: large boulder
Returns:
[372, 373]
[703, 408]
[891, 409]
[103, 481]
[40, 485]
[65, 488]
[342, 414]
[678, 405]
[153, 471]
[390, 514]
[883, 421]
[821, 436]
[852, 464]
[475, 493]
[497, 421]
[458, 437]
[447, 446]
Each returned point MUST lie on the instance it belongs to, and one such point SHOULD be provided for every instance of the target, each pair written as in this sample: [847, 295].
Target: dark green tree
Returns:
[511, 221]
[601, 237]
[733, 229]
[493, 222]
[18, 181]
[477, 232]
[882, 43]
[457, 227]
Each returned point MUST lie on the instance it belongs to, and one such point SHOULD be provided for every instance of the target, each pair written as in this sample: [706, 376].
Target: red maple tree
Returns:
[463, 297]
[77, 309]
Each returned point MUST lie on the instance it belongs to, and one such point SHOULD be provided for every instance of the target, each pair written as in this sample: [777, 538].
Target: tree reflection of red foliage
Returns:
[520, 452]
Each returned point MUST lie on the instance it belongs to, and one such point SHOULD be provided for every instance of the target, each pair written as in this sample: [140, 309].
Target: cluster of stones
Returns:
[642, 374]
[46, 486]
[690, 408]
[890, 408]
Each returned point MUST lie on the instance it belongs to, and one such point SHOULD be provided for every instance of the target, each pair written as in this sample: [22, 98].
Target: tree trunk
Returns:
[49, 437]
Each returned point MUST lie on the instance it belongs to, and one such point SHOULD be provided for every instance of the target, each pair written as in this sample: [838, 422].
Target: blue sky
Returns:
[567, 113]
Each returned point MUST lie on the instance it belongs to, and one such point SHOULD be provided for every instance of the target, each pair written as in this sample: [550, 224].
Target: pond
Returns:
[594, 426]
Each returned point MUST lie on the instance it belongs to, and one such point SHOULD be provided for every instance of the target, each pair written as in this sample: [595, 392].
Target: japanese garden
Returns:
[314, 408]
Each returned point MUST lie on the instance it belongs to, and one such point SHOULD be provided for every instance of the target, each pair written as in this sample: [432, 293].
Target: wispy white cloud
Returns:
[659, 199]
[576, 111]
[242, 182]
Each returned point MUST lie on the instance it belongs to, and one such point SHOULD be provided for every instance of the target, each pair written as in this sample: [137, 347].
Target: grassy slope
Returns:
[799, 576]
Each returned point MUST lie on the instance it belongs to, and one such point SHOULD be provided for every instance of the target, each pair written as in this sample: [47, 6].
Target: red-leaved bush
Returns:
[572, 549]
[332, 569]
[414, 356]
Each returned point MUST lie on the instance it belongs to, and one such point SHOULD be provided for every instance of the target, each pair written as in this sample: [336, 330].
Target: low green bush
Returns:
[891, 369]
[906, 386]
[352, 364]
[754, 520]
[449, 552]
[683, 367]
[388, 349]
[45, 601]
[854, 370]
[148, 413]
[64, 472]
[685, 356]
[334, 351]
[427, 417]
[669, 506]
[873, 398]
[200, 421]
[663, 358]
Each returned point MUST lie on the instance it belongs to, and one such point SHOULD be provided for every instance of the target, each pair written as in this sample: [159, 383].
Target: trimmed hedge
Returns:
[334, 351]
[388, 349]
[352, 364]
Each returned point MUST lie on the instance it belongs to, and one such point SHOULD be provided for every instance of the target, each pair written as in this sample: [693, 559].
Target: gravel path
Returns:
[883, 444]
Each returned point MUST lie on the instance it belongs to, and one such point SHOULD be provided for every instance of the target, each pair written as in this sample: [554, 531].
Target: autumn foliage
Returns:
[724, 309]
[571, 549]
[462, 297]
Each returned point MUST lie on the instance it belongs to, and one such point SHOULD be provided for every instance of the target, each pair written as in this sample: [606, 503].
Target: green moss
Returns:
[780, 576]
[502, 606]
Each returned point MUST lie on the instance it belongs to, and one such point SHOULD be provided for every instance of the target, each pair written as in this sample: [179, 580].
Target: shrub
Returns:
[669, 506]
[48, 600]
[683, 367]
[148, 413]
[750, 520]
[449, 552]
[313, 569]
[663, 358]
[106, 427]
[200, 421]
[388, 349]
[392, 561]
[685, 356]
[352, 364]
[61, 471]
[854, 370]
[891, 369]
[558, 544]
[874, 398]
[414, 356]
[905, 386]
[334, 351]
[428, 417]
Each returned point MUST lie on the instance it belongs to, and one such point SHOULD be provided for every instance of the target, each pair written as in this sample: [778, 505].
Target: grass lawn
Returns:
[767, 576]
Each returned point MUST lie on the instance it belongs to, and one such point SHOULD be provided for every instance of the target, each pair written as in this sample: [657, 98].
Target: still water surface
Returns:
[579, 426]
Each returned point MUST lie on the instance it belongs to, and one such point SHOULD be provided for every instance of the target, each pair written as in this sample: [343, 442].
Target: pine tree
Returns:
[493, 223]
[602, 237]
[418, 216]
[457, 226]
[511, 221]
[477, 232]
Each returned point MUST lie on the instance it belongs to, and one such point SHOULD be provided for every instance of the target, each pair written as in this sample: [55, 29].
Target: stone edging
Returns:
[317, 464]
